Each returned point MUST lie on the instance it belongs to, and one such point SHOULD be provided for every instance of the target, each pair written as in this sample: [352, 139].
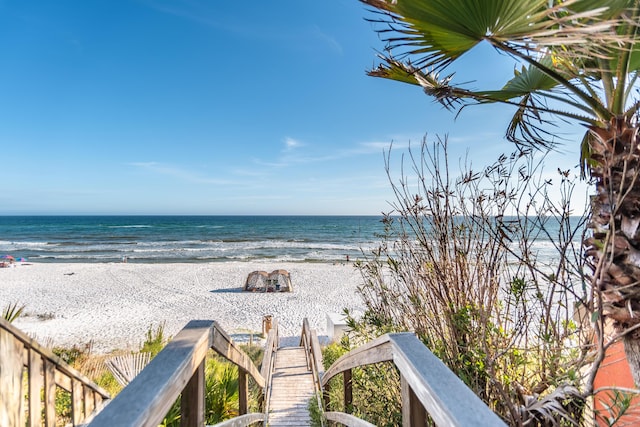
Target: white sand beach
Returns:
[113, 305]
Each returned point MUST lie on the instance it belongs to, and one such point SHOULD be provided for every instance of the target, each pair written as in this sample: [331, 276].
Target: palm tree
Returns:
[579, 60]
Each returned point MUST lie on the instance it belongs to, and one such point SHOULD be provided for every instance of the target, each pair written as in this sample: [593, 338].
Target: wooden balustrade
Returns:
[20, 357]
[178, 370]
[309, 340]
[268, 362]
[427, 385]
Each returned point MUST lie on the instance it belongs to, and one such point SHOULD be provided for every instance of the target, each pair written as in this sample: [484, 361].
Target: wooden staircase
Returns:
[292, 386]
[289, 378]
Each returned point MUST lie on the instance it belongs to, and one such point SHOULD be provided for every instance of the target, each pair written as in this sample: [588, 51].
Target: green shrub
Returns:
[458, 265]
[376, 388]
[155, 340]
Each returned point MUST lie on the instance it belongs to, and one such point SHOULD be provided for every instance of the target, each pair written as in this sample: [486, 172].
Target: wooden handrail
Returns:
[177, 370]
[425, 381]
[347, 419]
[242, 421]
[268, 363]
[309, 340]
[45, 372]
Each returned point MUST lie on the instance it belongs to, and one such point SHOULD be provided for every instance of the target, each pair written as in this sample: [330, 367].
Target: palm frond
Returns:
[556, 409]
[12, 312]
[437, 32]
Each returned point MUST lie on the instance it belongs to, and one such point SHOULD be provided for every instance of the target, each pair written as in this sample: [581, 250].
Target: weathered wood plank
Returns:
[292, 386]
[89, 400]
[146, 400]
[268, 360]
[242, 420]
[35, 385]
[243, 392]
[11, 397]
[348, 390]
[225, 346]
[375, 351]
[413, 413]
[347, 419]
[438, 389]
[46, 353]
[49, 393]
[77, 401]
[192, 400]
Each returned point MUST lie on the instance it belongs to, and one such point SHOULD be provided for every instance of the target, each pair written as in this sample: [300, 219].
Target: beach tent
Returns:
[256, 281]
[280, 280]
[261, 281]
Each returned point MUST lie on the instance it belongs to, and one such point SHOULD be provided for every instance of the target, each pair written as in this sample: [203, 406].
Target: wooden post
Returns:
[77, 404]
[89, 400]
[348, 391]
[49, 393]
[35, 385]
[326, 397]
[11, 401]
[192, 402]
[413, 414]
[243, 392]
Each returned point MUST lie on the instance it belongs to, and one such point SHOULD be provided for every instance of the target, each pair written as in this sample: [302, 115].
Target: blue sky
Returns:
[210, 107]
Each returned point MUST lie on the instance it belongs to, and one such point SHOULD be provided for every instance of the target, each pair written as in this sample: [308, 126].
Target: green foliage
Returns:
[376, 388]
[12, 311]
[221, 398]
[109, 383]
[616, 404]
[317, 418]
[221, 393]
[255, 352]
[155, 340]
[63, 404]
[74, 355]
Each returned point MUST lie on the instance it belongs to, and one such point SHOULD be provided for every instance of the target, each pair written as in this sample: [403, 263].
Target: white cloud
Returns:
[291, 144]
[330, 41]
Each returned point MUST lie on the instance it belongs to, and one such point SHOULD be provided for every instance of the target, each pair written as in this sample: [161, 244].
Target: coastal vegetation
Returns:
[575, 61]
[12, 311]
[461, 265]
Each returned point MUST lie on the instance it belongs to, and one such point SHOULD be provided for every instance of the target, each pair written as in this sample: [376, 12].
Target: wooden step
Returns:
[291, 389]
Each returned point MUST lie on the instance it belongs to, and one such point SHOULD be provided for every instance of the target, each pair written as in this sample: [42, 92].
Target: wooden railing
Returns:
[268, 363]
[178, 370]
[428, 388]
[427, 385]
[21, 356]
[309, 340]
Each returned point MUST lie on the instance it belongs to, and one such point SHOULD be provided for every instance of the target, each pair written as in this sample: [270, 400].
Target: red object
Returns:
[614, 372]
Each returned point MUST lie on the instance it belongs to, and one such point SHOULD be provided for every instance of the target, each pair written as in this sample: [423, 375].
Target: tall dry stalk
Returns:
[460, 264]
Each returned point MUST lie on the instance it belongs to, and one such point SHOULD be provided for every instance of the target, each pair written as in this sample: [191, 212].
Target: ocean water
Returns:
[200, 238]
[188, 238]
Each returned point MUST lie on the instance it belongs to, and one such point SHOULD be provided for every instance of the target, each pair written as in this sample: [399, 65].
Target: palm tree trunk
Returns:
[632, 350]
[613, 250]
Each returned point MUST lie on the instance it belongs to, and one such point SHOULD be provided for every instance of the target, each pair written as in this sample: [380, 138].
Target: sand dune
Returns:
[113, 305]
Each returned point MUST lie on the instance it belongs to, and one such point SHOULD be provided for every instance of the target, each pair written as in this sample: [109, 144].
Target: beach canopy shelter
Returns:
[261, 281]
[256, 281]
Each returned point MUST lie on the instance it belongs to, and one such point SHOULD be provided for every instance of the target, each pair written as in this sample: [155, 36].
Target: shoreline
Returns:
[113, 305]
